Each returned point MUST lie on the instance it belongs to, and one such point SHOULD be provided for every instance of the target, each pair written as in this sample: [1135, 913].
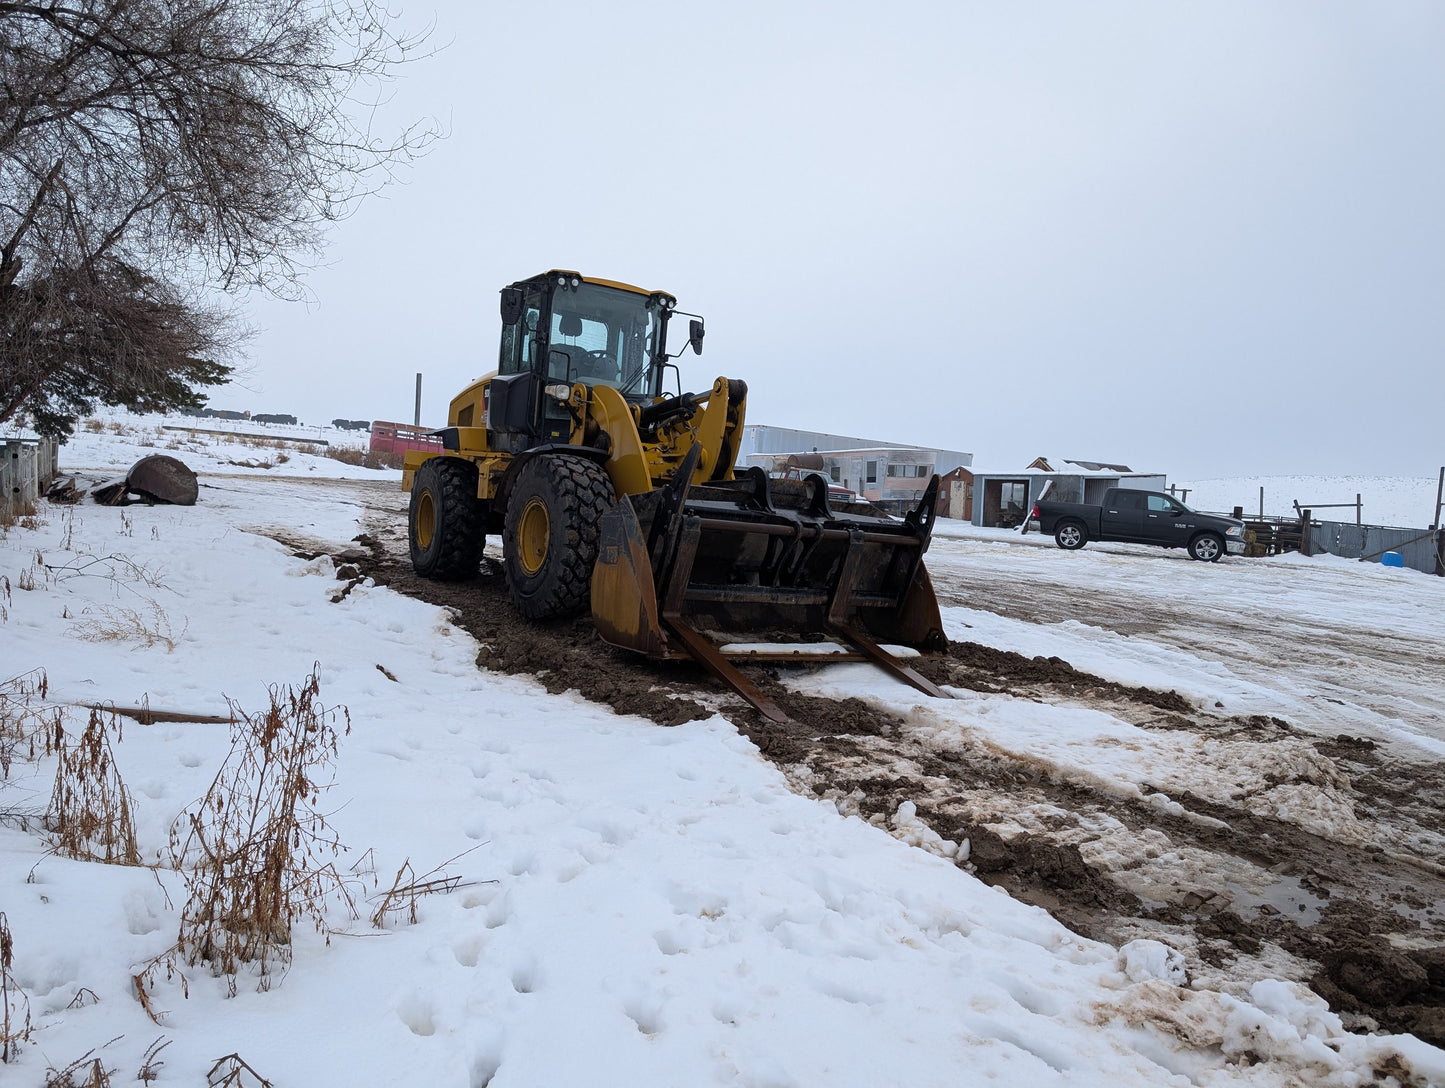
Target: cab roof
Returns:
[594, 279]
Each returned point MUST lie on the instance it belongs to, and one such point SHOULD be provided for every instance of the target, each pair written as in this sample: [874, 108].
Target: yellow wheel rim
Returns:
[533, 533]
[426, 520]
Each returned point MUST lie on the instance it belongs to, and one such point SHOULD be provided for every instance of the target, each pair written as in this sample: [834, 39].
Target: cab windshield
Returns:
[604, 336]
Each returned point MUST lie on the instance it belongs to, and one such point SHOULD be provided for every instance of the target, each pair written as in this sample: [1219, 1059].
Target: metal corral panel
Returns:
[1416, 546]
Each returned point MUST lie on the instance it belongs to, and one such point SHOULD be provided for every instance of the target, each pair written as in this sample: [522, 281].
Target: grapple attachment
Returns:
[744, 569]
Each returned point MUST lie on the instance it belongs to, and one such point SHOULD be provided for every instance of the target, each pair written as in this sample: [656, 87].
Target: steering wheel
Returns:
[600, 364]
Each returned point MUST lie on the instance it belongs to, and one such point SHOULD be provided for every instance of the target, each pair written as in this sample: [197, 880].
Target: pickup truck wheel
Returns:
[1206, 547]
[1071, 536]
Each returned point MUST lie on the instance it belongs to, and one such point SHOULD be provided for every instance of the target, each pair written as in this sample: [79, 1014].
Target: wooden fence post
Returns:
[10, 477]
[1305, 544]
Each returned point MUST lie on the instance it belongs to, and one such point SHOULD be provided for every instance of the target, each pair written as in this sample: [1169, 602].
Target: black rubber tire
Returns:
[446, 521]
[1206, 547]
[1071, 536]
[575, 493]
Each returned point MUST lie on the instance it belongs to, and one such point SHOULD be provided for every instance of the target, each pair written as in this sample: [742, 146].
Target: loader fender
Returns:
[626, 463]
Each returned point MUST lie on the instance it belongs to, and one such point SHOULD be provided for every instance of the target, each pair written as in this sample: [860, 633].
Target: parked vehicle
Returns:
[836, 492]
[1140, 517]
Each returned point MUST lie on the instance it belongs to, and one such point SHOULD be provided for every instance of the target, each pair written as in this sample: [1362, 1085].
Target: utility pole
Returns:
[416, 421]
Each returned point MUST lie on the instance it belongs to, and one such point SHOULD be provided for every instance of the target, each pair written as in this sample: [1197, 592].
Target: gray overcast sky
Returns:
[1203, 239]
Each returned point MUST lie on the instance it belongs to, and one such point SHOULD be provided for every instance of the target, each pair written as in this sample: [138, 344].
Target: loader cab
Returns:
[561, 328]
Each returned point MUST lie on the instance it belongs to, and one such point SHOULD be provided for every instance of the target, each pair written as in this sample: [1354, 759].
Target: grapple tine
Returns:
[761, 561]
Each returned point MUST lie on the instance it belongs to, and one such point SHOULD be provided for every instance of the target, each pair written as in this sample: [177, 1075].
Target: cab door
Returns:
[1121, 517]
[514, 396]
[1166, 521]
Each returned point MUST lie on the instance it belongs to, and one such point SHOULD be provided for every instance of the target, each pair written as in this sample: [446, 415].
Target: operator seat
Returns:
[583, 364]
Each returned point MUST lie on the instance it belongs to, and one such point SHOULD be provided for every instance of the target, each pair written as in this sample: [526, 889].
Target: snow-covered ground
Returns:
[645, 906]
[1331, 644]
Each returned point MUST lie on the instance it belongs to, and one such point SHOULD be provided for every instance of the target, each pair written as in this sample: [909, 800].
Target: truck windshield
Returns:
[604, 336]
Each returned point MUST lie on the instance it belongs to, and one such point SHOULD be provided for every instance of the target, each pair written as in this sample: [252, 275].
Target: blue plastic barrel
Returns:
[1392, 559]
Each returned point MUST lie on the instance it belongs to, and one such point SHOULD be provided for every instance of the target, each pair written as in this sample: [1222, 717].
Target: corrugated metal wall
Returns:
[1416, 546]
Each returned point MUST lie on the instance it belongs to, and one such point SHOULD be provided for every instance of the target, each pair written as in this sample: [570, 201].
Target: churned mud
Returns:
[1243, 895]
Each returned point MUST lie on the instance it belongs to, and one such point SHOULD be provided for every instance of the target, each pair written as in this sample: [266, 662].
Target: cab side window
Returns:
[1128, 500]
[1161, 504]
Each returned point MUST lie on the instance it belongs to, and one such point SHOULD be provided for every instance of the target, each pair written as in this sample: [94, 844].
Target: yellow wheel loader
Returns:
[608, 489]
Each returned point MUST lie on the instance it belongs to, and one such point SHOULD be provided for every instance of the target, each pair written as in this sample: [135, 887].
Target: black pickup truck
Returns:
[1140, 517]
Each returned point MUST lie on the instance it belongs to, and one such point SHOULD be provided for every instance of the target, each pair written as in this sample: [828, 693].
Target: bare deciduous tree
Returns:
[154, 151]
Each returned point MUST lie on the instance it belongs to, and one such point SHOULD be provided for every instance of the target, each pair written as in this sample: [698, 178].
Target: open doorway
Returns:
[1005, 503]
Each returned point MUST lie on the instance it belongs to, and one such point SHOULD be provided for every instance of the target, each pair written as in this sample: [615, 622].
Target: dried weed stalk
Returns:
[96, 1075]
[119, 569]
[14, 1005]
[232, 1072]
[148, 977]
[90, 808]
[150, 1068]
[255, 849]
[24, 716]
[401, 898]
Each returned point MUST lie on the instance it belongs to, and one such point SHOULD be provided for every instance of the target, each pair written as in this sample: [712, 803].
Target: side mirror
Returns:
[694, 335]
[511, 305]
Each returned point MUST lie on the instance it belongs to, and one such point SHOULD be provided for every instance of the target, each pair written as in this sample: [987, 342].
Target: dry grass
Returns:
[23, 514]
[94, 426]
[14, 1005]
[354, 455]
[90, 809]
[114, 623]
[255, 850]
[347, 455]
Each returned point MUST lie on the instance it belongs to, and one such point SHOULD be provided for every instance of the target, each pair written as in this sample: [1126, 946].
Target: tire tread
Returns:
[460, 516]
[581, 492]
